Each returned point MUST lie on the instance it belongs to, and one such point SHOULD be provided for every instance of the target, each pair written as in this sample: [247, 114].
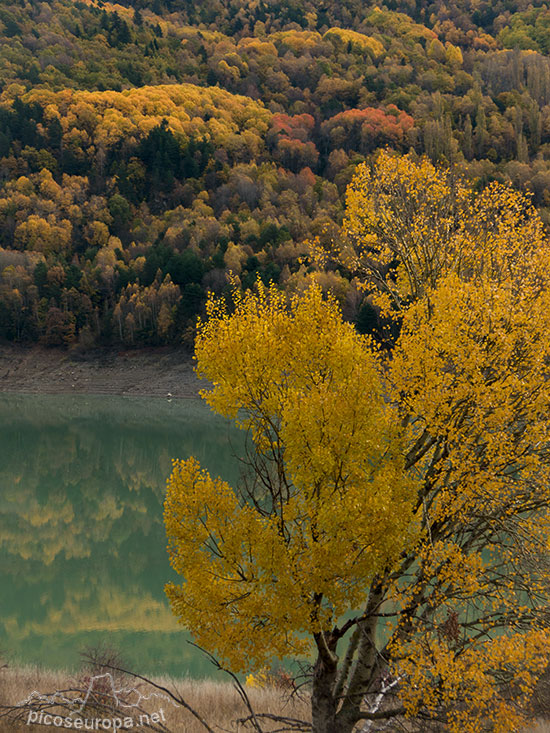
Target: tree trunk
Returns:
[366, 666]
[323, 705]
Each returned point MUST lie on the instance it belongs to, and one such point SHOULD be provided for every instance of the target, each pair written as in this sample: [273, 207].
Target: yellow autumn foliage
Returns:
[408, 222]
[297, 41]
[359, 41]
[105, 118]
[396, 517]
[296, 379]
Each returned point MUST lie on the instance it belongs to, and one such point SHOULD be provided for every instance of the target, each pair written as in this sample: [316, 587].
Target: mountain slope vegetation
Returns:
[149, 149]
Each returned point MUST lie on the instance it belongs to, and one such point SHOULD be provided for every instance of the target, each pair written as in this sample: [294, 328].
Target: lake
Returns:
[83, 554]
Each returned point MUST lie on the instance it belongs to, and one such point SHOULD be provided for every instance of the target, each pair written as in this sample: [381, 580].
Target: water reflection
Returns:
[82, 545]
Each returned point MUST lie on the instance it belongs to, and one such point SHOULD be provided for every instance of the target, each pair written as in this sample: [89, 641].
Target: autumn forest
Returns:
[152, 150]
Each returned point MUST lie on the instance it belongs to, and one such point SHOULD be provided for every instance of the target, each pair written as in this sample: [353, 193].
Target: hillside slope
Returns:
[148, 149]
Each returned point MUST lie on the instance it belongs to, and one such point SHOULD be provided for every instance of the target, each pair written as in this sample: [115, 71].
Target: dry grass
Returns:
[217, 702]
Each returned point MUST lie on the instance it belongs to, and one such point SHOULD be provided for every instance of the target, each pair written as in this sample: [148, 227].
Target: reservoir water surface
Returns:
[83, 556]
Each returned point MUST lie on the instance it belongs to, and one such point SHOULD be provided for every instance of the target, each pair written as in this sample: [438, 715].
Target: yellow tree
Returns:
[394, 526]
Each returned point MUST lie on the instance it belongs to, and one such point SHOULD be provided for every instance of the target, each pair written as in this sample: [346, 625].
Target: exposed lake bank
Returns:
[138, 372]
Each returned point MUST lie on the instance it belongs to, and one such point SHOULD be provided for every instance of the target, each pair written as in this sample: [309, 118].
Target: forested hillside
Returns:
[150, 148]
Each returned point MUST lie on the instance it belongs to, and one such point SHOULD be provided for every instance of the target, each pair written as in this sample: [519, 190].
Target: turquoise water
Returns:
[82, 546]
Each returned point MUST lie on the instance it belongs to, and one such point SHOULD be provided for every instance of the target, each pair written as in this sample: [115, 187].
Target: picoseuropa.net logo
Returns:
[79, 723]
[102, 707]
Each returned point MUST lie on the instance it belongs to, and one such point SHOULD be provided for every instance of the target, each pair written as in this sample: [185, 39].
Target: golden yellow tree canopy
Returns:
[412, 483]
[308, 388]
[408, 222]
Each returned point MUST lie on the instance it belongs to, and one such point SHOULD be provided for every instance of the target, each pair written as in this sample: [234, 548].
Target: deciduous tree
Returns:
[394, 525]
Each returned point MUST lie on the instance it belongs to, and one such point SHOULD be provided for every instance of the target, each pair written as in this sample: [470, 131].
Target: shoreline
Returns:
[148, 372]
